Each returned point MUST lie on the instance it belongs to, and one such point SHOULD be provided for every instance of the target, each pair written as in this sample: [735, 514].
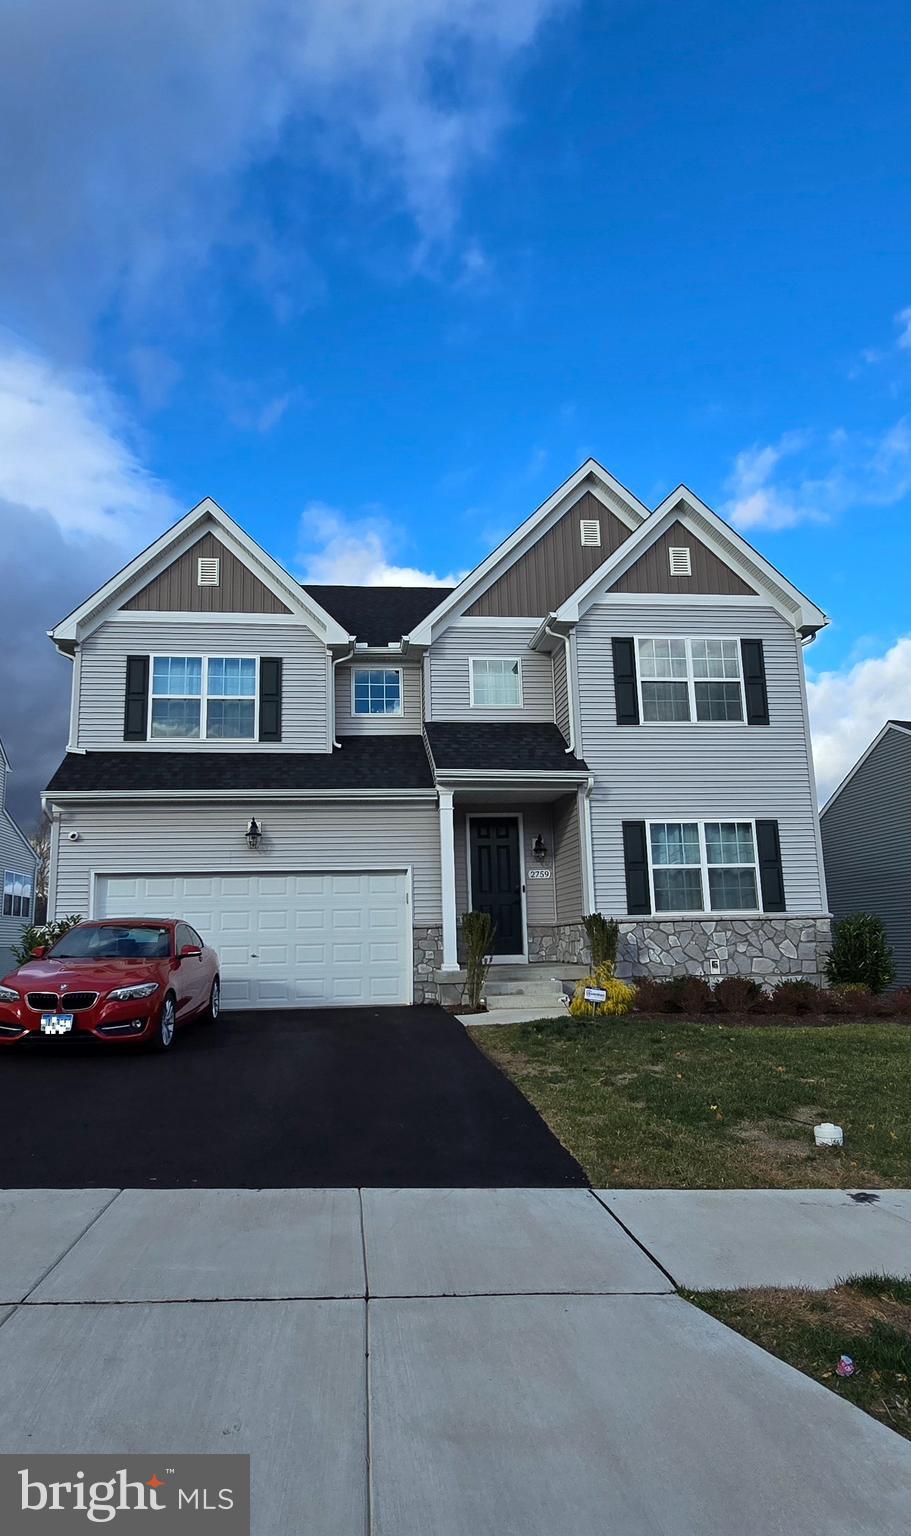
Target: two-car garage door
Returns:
[327, 938]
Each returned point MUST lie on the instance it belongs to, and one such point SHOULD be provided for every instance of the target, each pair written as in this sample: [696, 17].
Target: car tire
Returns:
[165, 1026]
[212, 1010]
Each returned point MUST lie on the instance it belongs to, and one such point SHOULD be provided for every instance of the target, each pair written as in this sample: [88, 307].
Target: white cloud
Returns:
[357, 551]
[903, 321]
[849, 707]
[831, 475]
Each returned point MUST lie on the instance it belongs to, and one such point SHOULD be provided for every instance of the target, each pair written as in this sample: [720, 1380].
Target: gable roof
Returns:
[494, 746]
[721, 539]
[139, 571]
[377, 615]
[903, 726]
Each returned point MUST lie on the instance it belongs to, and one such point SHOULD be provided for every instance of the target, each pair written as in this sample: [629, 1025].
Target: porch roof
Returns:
[494, 746]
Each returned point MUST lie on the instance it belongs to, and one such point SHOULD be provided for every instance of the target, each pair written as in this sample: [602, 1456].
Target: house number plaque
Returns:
[539, 874]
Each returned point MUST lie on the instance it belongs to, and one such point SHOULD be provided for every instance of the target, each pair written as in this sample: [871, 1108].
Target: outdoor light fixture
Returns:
[539, 849]
[253, 833]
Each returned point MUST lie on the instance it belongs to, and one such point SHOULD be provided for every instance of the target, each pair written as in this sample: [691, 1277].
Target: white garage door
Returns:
[331, 938]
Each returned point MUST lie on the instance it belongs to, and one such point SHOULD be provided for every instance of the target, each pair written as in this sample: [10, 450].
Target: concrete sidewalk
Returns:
[404, 1361]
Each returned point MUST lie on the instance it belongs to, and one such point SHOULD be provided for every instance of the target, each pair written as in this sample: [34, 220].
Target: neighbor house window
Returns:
[496, 682]
[690, 679]
[704, 866]
[377, 691]
[17, 894]
[203, 698]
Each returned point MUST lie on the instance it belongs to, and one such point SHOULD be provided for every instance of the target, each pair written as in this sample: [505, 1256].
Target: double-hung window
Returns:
[496, 682]
[704, 866]
[17, 894]
[208, 698]
[376, 691]
[690, 679]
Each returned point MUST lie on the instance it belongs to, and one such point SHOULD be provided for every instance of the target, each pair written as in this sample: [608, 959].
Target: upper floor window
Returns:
[17, 894]
[693, 860]
[203, 698]
[376, 691]
[496, 682]
[690, 679]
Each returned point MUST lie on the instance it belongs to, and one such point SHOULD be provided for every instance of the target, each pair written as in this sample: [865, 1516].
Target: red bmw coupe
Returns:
[120, 979]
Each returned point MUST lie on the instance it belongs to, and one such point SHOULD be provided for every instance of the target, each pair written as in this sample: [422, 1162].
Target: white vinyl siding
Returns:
[561, 691]
[15, 856]
[710, 771]
[450, 676]
[102, 675]
[407, 723]
[567, 860]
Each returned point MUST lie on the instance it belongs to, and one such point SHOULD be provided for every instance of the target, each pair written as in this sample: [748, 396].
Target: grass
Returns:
[664, 1104]
[867, 1317]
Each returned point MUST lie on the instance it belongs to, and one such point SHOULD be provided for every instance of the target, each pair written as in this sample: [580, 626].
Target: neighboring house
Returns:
[18, 867]
[608, 713]
[866, 840]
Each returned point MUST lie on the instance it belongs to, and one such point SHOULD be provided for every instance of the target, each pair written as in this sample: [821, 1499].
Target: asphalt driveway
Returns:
[312, 1098]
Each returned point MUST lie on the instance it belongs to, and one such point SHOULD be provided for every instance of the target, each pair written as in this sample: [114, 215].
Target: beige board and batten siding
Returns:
[450, 666]
[145, 839]
[555, 565]
[102, 675]
[536, 818]
[408, 723]
[176, 589]
[704, 771]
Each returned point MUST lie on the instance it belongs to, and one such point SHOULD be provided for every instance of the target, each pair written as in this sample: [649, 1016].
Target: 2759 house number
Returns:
[539, 874]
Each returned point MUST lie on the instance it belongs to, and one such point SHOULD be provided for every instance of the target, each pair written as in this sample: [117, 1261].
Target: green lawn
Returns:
[664, 1104]
[868, 1318]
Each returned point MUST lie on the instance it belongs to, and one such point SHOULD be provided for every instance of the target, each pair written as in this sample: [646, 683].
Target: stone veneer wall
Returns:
[428, 957]
[559, 943]
[770, 949]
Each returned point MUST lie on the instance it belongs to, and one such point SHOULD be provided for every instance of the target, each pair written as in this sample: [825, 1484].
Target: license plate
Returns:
[56, 1023]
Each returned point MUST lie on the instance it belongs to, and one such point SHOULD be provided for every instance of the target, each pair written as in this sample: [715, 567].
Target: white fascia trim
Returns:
[530, 777]
[600, 482]
[890, 725]
[91, 796]
[139, 571]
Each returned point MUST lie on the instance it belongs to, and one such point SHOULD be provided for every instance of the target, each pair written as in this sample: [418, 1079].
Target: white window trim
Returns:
[203, 699]
[517, 660]
[703, 911]
[691, 681]
[28, 883]
[388, 714]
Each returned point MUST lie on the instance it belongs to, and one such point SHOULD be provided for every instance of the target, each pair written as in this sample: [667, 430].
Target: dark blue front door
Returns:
[496, 879]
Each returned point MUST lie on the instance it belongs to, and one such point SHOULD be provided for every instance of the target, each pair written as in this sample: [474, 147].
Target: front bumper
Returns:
[104, 1021]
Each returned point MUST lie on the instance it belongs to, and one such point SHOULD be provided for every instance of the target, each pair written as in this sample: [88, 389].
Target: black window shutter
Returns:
[754, 682]
[768, 849]
[136, 699]
[270, 698]
[625, 693]
[635, 857]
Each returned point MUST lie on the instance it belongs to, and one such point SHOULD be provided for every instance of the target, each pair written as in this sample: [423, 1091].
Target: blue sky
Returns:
[379, 274]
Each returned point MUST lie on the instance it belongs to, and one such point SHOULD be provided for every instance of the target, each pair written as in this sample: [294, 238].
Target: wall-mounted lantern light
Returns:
[539, 849]
[254, 833]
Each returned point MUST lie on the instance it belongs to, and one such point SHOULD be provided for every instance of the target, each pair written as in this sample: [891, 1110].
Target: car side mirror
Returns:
[39, 952]
[188, 951]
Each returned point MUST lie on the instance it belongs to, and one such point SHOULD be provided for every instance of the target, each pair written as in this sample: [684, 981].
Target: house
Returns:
[608, 713]
[866, 840]
[18, 866]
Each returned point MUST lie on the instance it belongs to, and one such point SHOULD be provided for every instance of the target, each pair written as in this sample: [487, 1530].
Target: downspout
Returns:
[336, 662]
[569, 703]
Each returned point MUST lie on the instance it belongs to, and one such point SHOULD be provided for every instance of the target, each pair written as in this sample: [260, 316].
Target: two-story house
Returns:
[607, 714]
[18, 866]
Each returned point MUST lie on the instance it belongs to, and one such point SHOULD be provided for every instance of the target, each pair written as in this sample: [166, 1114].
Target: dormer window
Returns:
[496, 682]
[376, 691]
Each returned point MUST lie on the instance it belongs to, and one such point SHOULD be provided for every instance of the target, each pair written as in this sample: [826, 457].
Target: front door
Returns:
[496, 879]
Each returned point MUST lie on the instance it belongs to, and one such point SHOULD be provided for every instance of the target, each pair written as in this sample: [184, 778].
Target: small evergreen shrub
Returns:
[37, 934]
[477, 930]
[857, 1002]
[620, 995]
[737, 994]
[796, 997]
[690, 994]
[603, 938]
[860, 954]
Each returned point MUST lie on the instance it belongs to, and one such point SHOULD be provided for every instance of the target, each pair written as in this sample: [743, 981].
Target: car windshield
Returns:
[113, 941]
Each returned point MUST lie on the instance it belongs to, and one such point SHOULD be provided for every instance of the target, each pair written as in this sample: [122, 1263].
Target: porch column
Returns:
[447, 877]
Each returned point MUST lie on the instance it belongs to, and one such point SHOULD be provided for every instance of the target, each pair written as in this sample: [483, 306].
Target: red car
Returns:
[119, 979]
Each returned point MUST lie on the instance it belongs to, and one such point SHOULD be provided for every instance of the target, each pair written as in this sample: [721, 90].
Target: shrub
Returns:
[860, 954]
[796, 997]
[900, 1002]
[653, 996]
[737, 994]
[690, 994]
[603, 938]
[620, 995]
[477, 936]
[858, 1002]
[36, 934]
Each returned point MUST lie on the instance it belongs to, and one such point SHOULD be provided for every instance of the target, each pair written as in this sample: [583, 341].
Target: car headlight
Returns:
[129, 994]
[7, 995]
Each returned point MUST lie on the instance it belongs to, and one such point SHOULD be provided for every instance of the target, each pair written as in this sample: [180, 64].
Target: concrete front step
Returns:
[549, 1000]
[494, 987]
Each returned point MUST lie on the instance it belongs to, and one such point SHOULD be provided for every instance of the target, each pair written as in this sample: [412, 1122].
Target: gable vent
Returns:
[589, 530]
[207, 571]
[680, 562]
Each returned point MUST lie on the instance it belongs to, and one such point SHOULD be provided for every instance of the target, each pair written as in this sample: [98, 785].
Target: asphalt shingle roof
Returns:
[363, 762]
[522, 746]
[377, 614]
